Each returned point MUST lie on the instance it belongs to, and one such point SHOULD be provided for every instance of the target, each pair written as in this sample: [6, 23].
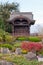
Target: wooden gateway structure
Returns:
[21, 22]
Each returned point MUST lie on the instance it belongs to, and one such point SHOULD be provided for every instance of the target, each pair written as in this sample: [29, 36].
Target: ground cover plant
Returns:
[19, 60]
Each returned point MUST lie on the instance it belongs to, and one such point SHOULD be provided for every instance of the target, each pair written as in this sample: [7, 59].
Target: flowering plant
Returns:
[29, 46]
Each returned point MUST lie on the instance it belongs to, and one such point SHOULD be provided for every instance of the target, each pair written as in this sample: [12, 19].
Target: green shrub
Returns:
[6, 46]
[22, 38]
[16, 45]
[9, 38]
[2, 32]
[5, 36]
[1, 39]
[20, 60]
[34, 39]
[13, 49]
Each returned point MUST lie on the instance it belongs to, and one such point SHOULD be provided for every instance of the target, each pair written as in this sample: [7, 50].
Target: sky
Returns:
[34, 6]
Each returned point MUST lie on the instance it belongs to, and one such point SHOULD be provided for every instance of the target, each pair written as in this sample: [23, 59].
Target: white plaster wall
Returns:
[26, 14]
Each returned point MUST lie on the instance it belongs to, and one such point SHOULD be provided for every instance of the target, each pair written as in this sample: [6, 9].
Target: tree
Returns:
[5, 10]
[11, 6]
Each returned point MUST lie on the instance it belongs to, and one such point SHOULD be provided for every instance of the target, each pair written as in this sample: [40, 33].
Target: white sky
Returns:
[34, 6]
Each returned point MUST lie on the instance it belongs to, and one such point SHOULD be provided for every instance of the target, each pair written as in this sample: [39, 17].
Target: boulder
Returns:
[5, 63]
[31, 56]
[40, 58]
[5, 50]
[18, 51]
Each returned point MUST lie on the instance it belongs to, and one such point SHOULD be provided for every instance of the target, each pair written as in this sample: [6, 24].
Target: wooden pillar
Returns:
[12, 28]
[28, 30]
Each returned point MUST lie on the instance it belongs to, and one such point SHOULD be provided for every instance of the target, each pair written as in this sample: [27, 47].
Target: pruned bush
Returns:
[34, 39]
[22, 38]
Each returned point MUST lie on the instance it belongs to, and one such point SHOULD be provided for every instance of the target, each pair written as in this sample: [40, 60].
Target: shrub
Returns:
[29, 46]
[22, 38]
[6, 46]
[5, 36]
[9, 38]
[24, 45]
[34, 39]
[2, 32]
[1, 39]
[16, 45]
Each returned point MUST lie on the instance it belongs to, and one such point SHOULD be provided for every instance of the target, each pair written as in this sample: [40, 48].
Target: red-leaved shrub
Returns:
[31, 46]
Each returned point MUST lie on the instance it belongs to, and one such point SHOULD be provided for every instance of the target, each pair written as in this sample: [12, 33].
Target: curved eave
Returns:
[32, 22]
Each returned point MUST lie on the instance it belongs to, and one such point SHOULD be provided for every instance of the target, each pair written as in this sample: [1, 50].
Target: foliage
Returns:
[9, 28]
[4, 14]
[6, 46]
[1, 39]
[6, 37]
[9, 38]
[2, 35]
[34, 39]
[30, 46]
[5, 11]
[11, 6]
[13, 49]
[19, 60]
[21, 38]
[1, 23]
[24, 51]
[16, 45]
[3, 32]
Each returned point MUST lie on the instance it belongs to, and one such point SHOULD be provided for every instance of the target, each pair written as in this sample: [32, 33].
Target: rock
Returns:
[18, 51]
[5, 50]
[5, 63]
[30, 56]
[40, 58]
